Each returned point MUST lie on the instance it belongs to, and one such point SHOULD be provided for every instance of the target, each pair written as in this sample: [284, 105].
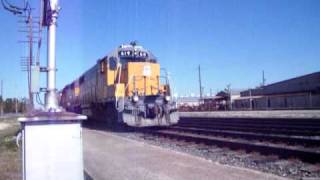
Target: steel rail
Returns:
[251, 136]
[258, 125]
[307, 122]
[250, 129]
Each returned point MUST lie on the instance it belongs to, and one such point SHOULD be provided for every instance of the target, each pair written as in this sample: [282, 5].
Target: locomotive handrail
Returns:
[134, 78]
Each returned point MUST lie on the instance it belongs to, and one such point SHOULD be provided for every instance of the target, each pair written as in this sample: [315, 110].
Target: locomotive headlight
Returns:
[135, 98]
[167, 98]
[122, 53]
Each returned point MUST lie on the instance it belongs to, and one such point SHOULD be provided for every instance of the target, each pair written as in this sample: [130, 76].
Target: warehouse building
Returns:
[301, 92]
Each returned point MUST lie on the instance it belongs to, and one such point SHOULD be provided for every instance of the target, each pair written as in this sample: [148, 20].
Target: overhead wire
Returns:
[8, 8]
[27, 11]
[40, 32]
[38, 99]
[14, 9]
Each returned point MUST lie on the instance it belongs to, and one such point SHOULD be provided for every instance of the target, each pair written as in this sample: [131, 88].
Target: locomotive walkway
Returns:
[107, 156]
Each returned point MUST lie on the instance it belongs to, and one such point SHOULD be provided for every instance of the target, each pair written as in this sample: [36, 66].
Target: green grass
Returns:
[10, 155]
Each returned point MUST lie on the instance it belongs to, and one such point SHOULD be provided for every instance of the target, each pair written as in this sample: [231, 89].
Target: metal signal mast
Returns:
[50, 15]
[53, 120]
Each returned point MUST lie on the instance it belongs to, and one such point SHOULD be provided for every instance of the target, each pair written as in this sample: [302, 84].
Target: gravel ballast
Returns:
[291, 168]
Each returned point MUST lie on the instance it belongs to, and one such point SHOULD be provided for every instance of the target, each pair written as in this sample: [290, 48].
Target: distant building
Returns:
[221, 101]
[301, 92]
[235, 94]
[188, 101]
[218, 102]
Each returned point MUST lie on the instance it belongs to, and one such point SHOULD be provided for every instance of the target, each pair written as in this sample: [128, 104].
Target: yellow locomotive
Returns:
[123, 87]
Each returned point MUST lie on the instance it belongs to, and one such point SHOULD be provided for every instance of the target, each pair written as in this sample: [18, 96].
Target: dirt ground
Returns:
[3, 126]
[10, 156]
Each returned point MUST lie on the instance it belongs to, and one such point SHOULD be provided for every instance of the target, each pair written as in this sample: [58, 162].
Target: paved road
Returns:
[107, 156]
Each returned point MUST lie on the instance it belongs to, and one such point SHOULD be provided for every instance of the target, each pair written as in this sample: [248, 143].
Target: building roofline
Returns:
[298, 77]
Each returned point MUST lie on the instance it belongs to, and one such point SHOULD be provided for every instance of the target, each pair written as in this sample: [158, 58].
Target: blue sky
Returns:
[233, 40]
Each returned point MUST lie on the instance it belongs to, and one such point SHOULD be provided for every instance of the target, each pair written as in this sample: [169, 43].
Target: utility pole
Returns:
[30, 61]
[26, 19]
[16, 105]
[263, 79]
[200, 85]
[27, 61]
[250, 100]
[230, 97]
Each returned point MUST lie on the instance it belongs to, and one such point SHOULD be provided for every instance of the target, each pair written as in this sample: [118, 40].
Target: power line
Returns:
[25, 13]
[13, 8]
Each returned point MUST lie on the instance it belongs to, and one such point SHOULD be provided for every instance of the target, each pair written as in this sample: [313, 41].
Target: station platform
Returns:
[108, 156]
[279, 114]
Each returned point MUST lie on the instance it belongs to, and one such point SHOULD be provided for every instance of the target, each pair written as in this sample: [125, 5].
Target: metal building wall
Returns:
[293, 101]
[306, 83]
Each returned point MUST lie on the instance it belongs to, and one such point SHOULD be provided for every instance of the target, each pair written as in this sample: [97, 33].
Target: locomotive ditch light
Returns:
[135, 98]
[167, 98]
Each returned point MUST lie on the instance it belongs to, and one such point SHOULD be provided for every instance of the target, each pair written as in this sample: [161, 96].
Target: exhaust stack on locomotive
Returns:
[123, 87]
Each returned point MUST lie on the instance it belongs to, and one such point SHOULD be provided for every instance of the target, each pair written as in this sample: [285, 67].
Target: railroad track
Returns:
[287, 139]
[264, 130]
[312, 124]
[293, 127]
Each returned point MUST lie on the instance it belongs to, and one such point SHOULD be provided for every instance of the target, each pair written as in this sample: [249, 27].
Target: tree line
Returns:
[12, 105]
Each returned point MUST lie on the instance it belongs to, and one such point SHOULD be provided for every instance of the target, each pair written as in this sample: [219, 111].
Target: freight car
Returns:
[124, 87]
